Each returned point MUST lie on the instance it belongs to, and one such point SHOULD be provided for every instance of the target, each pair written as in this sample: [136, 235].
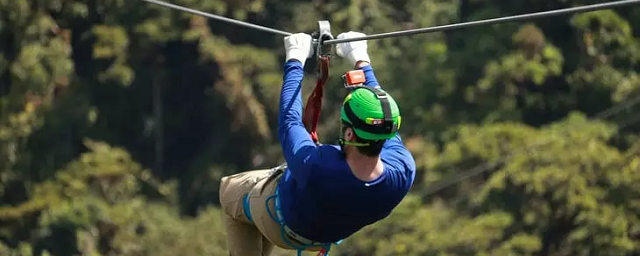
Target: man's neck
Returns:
[365, 168]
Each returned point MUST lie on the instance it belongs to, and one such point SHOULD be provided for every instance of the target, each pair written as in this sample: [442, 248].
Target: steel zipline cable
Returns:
[522, 17]
[218, 17]
[458, 177]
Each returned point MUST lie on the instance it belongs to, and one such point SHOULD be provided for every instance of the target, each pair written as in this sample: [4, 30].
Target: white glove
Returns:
[354, 51]
[298, 47]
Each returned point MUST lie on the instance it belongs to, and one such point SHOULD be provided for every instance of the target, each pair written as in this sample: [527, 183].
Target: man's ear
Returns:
[349, 135]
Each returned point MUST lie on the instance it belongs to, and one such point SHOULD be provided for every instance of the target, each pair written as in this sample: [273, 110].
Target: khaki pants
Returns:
[244, 237]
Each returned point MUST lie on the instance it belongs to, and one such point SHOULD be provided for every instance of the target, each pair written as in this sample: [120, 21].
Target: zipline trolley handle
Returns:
[323, 34]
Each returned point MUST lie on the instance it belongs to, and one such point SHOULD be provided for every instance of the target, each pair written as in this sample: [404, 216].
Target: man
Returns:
[325, 193]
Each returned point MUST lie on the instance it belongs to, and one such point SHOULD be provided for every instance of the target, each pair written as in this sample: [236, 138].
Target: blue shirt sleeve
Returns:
[370, 77]
[297, 147]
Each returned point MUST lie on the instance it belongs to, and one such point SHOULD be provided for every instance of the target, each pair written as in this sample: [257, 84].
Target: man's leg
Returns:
[267, 246]
[262, 217]
[244, 239]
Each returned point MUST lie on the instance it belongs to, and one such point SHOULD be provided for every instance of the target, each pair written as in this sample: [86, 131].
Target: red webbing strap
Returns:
[322, 252]
[311, 115]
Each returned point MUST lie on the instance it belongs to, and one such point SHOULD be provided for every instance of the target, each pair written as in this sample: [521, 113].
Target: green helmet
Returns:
[372, 113]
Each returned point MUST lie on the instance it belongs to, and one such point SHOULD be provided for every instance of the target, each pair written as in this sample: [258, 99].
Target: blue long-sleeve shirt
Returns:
[320, 197]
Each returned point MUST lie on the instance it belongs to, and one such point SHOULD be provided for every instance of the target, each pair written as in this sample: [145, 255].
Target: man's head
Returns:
[369, 117]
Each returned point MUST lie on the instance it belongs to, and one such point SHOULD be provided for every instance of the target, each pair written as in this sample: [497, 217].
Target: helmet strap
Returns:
[342, 142]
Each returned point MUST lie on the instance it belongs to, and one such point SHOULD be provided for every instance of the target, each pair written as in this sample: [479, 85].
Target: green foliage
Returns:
[118, 119]
[100, 204]
[554, 200]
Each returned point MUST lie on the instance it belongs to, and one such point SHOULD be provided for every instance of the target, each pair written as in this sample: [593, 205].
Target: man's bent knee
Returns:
[232, 190]
[234, 187]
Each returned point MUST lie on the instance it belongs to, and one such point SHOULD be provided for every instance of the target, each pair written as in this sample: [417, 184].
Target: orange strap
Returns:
[311, 115]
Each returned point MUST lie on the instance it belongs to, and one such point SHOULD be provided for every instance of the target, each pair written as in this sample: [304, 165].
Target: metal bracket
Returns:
[323, 34]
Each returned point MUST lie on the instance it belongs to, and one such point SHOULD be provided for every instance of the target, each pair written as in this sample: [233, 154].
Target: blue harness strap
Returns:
[246, 207]
[279, 219]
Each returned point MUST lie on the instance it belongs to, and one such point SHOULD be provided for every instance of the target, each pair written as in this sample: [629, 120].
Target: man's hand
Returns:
[298, 47]
[355, 51]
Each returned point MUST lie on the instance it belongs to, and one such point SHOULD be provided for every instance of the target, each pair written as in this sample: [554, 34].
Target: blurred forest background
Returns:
[118, 118]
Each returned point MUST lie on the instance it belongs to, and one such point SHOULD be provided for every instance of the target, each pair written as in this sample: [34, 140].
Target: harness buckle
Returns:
[381, 96]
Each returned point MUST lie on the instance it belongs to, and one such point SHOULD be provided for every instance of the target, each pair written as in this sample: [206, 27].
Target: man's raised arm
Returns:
[297, 147]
